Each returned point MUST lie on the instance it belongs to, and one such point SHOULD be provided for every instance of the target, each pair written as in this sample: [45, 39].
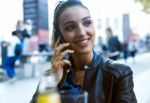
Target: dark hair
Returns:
[109, 29]
[14, 33]
[62, 5]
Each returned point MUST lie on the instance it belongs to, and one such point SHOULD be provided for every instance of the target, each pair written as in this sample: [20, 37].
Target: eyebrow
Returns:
[69, 22]
[88, 17]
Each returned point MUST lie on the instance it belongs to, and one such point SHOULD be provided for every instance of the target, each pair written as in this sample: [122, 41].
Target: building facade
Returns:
[37, 11]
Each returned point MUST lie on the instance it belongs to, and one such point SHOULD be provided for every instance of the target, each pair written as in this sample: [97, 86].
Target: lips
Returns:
[83, 42]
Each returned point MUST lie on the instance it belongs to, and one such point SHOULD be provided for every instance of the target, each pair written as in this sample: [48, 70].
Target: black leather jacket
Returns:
[107, 82]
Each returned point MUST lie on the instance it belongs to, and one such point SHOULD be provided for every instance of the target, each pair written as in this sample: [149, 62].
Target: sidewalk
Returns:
[141, 75]
[142, 87]
[19, 92]
[22, 90]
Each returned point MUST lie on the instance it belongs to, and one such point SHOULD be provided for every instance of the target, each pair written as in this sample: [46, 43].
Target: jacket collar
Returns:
[95, 61]
[97, 58]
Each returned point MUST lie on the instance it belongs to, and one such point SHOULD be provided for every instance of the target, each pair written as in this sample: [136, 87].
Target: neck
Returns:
[79, 60]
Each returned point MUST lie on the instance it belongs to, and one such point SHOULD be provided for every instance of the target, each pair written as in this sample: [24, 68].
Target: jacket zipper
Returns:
[83, 80]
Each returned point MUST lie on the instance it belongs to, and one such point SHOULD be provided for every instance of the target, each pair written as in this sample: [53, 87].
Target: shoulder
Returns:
[115, 68]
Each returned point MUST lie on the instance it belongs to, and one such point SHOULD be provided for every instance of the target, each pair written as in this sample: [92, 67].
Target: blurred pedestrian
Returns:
[28, 27]
[24, 31]
[102, 46]
[125, 51]
[133, 48]
[114, 45]
[14, 47]
[19, 26]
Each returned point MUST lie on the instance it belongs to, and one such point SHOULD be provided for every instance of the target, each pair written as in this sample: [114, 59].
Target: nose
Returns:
[81, 31]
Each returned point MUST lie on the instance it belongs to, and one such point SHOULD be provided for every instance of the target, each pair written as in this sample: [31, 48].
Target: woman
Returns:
[74, 35]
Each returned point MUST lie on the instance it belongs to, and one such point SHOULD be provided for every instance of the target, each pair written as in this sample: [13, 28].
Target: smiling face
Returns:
[76, 27]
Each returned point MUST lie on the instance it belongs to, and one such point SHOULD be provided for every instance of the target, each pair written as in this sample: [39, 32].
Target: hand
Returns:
[58, 62]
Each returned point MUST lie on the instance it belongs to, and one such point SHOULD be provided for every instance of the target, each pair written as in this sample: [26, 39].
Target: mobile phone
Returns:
[67, 56]
[61, 40]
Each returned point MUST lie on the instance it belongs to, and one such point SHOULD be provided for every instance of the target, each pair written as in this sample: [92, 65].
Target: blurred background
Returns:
[32, 20]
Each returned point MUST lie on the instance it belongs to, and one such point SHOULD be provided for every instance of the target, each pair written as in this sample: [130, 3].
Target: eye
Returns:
[87, 23]
[70, 27]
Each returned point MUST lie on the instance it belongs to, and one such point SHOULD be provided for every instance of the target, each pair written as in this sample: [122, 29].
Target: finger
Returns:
[68, 51]
[62, 64]
[60, 48]
[63, 46]
[67, 62]
[56, 47]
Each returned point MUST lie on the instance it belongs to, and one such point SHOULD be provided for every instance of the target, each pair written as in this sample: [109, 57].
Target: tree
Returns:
[146, 5]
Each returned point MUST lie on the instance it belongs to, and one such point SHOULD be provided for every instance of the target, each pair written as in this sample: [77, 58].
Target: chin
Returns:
[84, 51]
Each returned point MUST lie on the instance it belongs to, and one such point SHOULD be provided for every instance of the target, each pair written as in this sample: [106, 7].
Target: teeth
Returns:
[84, 41]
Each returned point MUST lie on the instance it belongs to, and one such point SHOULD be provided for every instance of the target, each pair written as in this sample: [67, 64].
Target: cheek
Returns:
[93, 35]
[94, 38]
[68, 38]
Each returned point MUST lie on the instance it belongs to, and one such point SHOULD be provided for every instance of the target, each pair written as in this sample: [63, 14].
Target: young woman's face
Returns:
[76, 26]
